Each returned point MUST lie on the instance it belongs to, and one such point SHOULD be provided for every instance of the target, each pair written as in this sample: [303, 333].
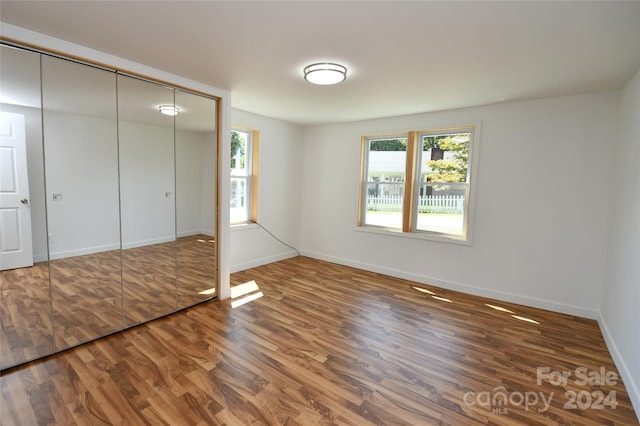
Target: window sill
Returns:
[441, 238]
[243, 226]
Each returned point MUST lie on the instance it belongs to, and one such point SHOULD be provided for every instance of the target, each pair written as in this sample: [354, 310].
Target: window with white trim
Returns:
[385, 180]
[244, 176]
[418, 182]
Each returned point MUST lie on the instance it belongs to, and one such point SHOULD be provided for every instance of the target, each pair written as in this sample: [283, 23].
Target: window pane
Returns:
[239, 164]
[443, 190]
[385, 182]
[384, 204]
[239, 193]
[241, 186]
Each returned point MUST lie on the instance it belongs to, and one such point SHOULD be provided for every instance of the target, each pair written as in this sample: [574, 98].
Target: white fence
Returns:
[447, 204]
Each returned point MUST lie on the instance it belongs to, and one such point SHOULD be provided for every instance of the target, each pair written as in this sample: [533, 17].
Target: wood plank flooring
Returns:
[323, 344]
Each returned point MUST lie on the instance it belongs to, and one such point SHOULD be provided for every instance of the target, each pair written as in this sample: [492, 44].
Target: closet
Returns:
[108, 202]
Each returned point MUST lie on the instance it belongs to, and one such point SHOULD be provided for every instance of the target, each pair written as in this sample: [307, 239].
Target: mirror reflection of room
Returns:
[118, 226]
[25, 309]
[80, 132]
[195, 139]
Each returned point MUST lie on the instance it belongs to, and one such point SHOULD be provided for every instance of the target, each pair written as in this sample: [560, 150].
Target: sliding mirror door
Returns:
[81, 164]
[148, 194]
[108, 206]
[25, 308]
[196, 146]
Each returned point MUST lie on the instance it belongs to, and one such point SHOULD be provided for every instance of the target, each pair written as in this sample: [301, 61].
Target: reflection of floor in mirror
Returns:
[25, 314]
[86, 294]
[196, 269]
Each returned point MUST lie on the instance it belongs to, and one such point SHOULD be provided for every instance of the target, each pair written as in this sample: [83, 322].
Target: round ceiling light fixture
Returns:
[169, 110]
[325, 73]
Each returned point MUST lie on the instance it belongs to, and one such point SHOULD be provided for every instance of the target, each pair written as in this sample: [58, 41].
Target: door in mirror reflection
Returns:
[25, 310]
[81, 164]
[148, 195]
[196, 147]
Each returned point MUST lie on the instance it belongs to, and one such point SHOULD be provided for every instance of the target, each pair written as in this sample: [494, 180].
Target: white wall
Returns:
[189, 163]
[87, 218]
[147, 184]
[543, 184]
[195, 183]
[278, 194]
[81, 164]
[620, 310]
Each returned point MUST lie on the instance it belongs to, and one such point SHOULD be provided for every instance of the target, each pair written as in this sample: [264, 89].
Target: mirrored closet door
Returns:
[81, 169]
[147, 190]
[26, 330]
[108, 202]
[196, 143]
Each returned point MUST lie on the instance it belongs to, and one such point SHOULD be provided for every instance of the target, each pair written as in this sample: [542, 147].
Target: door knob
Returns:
[24, 201]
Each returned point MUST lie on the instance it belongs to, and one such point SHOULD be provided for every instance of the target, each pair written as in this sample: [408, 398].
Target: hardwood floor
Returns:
[320, 344]
[97, 294]
[25, 314]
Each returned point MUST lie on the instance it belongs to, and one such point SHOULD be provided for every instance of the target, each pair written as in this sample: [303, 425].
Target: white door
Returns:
[16, 246]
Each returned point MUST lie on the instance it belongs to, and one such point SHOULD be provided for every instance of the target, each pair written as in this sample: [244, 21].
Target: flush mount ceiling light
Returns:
[325, 73]
[169, 110]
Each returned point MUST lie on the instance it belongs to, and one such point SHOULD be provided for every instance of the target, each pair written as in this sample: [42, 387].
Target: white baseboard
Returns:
[91, 250]
[142, 243]
[207, 232]
[464, 288]
[262, 261]
[81, 252]
[181, 234]
[633, 387]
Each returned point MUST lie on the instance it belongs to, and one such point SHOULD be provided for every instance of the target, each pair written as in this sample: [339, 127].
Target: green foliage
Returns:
[237, 150]
[452, 169]
[429, 142]
[388, 145]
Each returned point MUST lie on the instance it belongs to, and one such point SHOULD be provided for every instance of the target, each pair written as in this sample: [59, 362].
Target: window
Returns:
[385, 181]
[244, 176]
[418, 183]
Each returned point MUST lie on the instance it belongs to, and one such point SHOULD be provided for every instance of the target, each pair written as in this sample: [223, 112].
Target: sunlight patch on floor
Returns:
[525, 319]
[245, 293]
[423, 290]
[499, 308]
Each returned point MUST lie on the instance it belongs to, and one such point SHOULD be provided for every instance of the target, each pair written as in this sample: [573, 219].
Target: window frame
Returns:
[252, 150]
[364, 166]
[409, 207]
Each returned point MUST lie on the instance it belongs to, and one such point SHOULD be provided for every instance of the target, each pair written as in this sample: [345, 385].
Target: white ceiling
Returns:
[403, 57]
[70, 88]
